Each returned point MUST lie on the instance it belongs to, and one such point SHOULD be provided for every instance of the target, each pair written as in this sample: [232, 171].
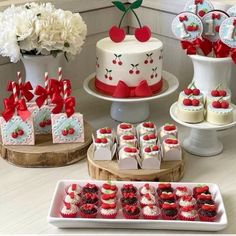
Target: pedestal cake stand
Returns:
[132, 110]
[203, 139]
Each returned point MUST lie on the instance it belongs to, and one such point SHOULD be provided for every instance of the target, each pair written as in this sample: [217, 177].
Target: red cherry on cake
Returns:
[116, 34]
[98, 140]
[174, 141]
[20, 132]
[128, 137]
[120, 63]
[108, 131]
[152, 136]
[64, 132]
[114, 61]
[187, 102]
[104, 140]
[131, 71]
[143, 34]
[147, 149]
[137, 72]
[216, 104]
[133, 150]
[224, 105]
[42, 124]
[155, 148]
[146, 137]
[14, 135]
[201, 13]
[222, 93]
[196, 92]
[195, 102]
[215, 93]
[169, 127]
[125, 126]
[103, 131]
[128, 149]
[48, 122]
[71, 131]
[217, 28]
[188, 91]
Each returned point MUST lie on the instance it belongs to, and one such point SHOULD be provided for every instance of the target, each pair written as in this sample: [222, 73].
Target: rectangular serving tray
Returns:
[55, 218]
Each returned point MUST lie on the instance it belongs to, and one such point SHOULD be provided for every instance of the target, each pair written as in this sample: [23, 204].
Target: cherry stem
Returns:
[122, 18]
[137, 18]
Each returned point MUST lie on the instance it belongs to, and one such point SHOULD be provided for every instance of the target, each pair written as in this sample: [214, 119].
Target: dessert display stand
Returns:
[203, 139]
[46, 154]
[132, 110]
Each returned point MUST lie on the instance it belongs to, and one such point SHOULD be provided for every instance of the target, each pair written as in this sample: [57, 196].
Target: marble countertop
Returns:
[26, 193]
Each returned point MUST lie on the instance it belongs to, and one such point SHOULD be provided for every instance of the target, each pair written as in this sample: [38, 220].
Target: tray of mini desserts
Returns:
[143, 205]
[141, 147]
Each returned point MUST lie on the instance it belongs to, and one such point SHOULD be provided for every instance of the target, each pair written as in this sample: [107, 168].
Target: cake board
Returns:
[108, 170]
[203, 139]
[47, 154]
[132, 110]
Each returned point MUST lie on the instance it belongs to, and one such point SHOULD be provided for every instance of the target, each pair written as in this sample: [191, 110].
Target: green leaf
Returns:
[115, 55]
[136, 4]
[110, 71]
[119, 55]
[106, 70]
[132, 65]
[136, 65]
[119, 5]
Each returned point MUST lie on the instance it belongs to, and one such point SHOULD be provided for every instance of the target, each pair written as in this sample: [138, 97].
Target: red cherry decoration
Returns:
[201, 13]
[14, 135]
[104, 140]
[137, 72]
[128, 137]
[114, 61]
[216, 104]
[20, 132]
[146, 137]
[125, 126]
[215, 93]
[147, 149]
[108, 131]
[222, 93]
[116, 34]
[187, 102]
[188, 91]
[196, 92]
[71, 131]
[42, 124]
[217, 28]
[224, 104]
[128, 149]
[146, 62]
[98, 140]
[195, 102]
[155, 148]
[152, 136]
[143, 34]
[103, 131]
[48, 122]
[64, 132]
[131, 71]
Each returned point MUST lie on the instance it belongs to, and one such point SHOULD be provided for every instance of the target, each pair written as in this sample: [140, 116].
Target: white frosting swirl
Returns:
[151, 211]
[108, 211]
[73, 209]
[146, 201]
[74, 200]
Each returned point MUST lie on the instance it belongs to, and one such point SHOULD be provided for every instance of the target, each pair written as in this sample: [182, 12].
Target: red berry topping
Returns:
[187, 198]
[73, 186]
[195, 102]
[143, 34]
[215, 93]
[188, 91]
[164, 185]
[202, 189]
[196, 92]
[20, 132]
[147, 186]
[147, 149]
[72, 195]
[98, 140]
[134, 150]
[146, 137]
[183, 189]
[169, 127]
[187, 208]
[108, 131]
[125, 126]
[14, 135]
[108, 196]
[48, 122]
[167, 196]
[152, 136]
[167, 206]
[104, 140]
[116, 34]
[103, 131]
[128, 149]
[148, 196]
[71, 131]
[224, 105]
[222, 93]
[68, 205]
[129, 195]
[64, 132]
[148, 125]
[204, 196]
[108, 206]
[106, 186]
[155, 148]
[42, 124]
[207, 207]
[201, 13]
[187, 102]
[130, 208]
[128, 137]
[216, 104]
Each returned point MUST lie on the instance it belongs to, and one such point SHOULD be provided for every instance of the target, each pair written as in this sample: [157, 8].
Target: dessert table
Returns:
[26, 192]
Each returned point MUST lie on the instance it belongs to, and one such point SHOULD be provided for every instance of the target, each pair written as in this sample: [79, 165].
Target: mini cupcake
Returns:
[151, 212]
[69, 210]
[182, 191]
[147, 188]
[128, 188]
[108, 211]
[125, 128]
[129, 199]
[108, 198]
[88, 211]
[169, 211]
[166, 198]
[90, 188]
[188, 213]
[102, 143]
[109, 188]
[148, 140]
[75, 188]
[147, 128]
[207, 213]
[147, 199]
[128, 140]
[187, 201]
[204, 199]
[164, 187]
[90, 198]
[201, 189]
[107, 133]
[131, 212]
[72, 198]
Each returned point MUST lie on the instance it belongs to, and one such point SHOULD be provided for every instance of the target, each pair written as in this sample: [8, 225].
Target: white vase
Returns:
[36, 66]
[211, 72]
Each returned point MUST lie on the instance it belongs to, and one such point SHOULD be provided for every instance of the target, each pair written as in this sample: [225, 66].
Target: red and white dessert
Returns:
[105, 132]
[109, 198]
[217, 94]
[188, 213]
[168, 130]
[125, 129]
[74, 188]
[108, 211]
[69, 210]
[147, 127]
[102, 143]
[109, 188]
[151, 158]
[72, 198]
[187, 201]
[151, 212]
[128, 158]
[147, 199]
[148, 140]
[182, 191]
[129, 68]
[128, 140]
[147, 188]
[171, 149]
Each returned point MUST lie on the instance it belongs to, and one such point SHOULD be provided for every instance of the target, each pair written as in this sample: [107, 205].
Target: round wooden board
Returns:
[171, 171]
[47, 154]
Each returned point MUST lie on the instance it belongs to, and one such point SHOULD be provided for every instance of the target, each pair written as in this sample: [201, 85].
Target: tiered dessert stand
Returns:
[132, 110]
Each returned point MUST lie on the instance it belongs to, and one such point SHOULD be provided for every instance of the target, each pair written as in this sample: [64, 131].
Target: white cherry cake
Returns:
[128, 140]
[106, 132]
[150, 151]
[148, 139]
[125, 129]
[168, 130]
[216, 94]
[146, 128]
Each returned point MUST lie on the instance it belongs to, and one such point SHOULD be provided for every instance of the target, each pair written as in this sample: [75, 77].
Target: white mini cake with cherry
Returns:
[106, 132]
[125, 129]
[128, 158]
[127, 140]
[219, 112]
[147, 127]
[217, 94]
[168, 130]
[191, 110]
[171, 149]
[148, 139]
[102, 143]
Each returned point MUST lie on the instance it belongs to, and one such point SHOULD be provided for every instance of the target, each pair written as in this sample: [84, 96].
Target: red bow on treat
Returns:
[11, 106]
[221, 49]
[56, 86]
[43, 95]
[22, 89]
[124, 91]
[233, 54]
[183, 18]
[215, 16]
[198, 2]
[68, 104]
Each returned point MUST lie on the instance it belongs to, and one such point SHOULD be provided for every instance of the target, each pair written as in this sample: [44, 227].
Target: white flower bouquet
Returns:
[40, 29]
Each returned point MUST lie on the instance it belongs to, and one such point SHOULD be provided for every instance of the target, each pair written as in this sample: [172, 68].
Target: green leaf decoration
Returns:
[119, 5]
[136, 4]
[147, 55]
[132, 65]
[107, 70]
[110, 71]
[115, 55]
[119, 55]
[136, 65]
[151, 54]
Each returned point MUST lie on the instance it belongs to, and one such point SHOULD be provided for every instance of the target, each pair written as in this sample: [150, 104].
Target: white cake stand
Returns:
[203, 139]
[132, 110]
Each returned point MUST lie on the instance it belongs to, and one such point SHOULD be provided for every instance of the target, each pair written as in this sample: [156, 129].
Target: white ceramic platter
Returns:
[55, 219]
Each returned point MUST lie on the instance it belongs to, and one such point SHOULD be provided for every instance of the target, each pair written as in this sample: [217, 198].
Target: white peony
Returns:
[40, 29]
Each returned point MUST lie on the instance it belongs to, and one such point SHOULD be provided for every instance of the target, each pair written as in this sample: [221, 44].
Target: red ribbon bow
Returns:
[215, 16]
[183, 18]
[221, 50]
[124, 91]
[233, 54]
[56, 86]
[234, 23]
[11, 106]
[198, 2]
[43, 95]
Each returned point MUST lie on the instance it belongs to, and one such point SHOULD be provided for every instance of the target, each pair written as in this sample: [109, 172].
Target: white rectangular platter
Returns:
[55, 218]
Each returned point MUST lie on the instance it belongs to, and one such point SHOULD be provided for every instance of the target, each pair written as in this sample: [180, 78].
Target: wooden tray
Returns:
[47, 154]
[171, 171]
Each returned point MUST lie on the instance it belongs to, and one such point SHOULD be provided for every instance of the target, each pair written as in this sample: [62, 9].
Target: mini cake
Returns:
[102, 143]
[182, 191]
[129, 199]
[147, 199]
[164, 187]
[125, 129]
[193, 92]
[75, 188]
[128, 188]
[217, 94]
[168, 130]
[191, 111]
[147, 188]
[187, 201]
[204, 199]
[131, 212]
[146, 128]
[88, 211]
[90, 188]
[128, 158]
[128, 140]
[108, 198]
[108, 211]
[109, 188]
[169, 211]
[166, 197]
[147, 140]
[90, 198]
[171, 149]
[151, 212]
[200, 189]
[150, 151]
[106, 132]
[207, 213]
[151, 158]
[219, 113]
[188, 213]
[69, 210]
[72, 198]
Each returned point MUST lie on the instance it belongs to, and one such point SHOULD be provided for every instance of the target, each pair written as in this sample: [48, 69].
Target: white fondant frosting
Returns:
[150, 190]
